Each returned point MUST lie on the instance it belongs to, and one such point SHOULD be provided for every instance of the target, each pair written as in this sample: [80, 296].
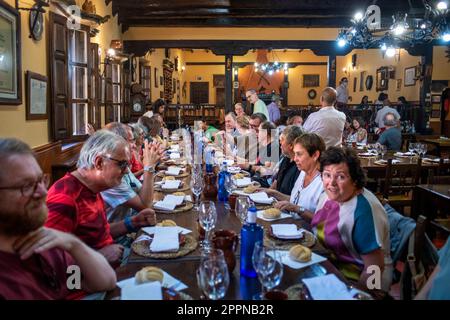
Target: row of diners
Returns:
[222, 150]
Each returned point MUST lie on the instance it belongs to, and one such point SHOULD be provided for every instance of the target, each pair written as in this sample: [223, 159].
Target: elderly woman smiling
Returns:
[350, 221]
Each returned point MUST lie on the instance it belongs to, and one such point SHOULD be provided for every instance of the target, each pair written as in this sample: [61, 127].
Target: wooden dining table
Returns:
[240, 288]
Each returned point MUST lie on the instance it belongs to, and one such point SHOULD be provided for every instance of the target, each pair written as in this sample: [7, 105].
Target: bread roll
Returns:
[250, 189]
[166, 178]
[271, 213]
[300, 253]
[167, 223]
[149, 274]
[179, 193]
[239, 176]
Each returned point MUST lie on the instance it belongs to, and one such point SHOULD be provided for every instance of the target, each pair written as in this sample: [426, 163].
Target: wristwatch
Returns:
[149, 169]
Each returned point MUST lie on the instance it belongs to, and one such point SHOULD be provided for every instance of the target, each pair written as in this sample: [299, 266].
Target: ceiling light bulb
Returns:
[235, 72]
[111, 52]
[256, 69]
[390, 52]
[256, 64]
[446, 36]
[423, 26]
[383, 47]
[358, 16]
[399, 29]
[285, 65]
[442, 5]
[342, 43]
[271, 72]
[275, 63]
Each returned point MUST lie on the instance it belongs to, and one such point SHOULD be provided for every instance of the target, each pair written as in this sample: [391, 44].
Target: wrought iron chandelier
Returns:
[262, 64]
[367, 31]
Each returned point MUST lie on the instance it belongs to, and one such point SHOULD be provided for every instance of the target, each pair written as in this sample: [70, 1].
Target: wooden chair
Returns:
[400, 180]
[209, 114]
[442, 174]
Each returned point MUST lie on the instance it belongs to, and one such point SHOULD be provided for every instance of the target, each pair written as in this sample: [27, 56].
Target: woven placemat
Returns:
[143, 249]
[183, 188]
[162, 174]
[281, 244]
[297, 292]
[187, 206]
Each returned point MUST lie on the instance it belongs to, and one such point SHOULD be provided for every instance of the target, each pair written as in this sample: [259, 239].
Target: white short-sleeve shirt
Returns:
[307, 197]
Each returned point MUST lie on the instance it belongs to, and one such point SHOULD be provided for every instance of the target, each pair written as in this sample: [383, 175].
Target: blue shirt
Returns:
[274, 112]
[392, 139]
[440, 290]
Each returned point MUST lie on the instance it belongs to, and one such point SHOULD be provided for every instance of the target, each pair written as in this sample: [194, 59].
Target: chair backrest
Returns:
[401, 178]
[442, 174]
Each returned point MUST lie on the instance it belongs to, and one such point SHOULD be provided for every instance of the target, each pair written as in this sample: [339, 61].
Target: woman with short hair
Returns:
[350, 220]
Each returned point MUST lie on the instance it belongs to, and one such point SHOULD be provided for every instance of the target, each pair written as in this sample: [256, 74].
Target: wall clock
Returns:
[36, 22]
[138, 102]
[312, 94]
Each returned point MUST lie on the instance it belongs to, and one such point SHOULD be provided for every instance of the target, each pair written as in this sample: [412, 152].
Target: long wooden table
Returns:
[241, 288]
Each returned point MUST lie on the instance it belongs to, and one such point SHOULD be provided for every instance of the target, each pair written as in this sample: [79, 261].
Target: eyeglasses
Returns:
[30, 188]
[123, 164]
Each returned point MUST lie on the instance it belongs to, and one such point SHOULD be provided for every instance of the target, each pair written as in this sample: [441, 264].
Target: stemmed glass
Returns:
[268, 266]
[382, 150]
[411, 148]
[207, 218]
[213, 278]
[242, 205]
[230, 187]
[197, 186]
[422, 149]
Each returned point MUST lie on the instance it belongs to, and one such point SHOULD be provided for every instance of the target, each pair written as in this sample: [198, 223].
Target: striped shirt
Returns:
[352, 229]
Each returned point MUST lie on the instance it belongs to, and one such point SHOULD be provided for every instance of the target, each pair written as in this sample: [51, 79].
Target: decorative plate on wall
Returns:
[369, 83]
[312, 94]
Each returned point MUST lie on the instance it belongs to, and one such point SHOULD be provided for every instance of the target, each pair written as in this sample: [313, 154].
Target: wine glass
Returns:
[382, 150]
[411, 148]
[423, 149]
[207, 219]
[213, 278]
[268, 266]
[229, 186]
[242, 205]
[197, 186]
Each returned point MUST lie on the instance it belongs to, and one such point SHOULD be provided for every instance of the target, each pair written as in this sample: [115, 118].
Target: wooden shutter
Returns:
[94, 86]
[60, 115]
[109, 109]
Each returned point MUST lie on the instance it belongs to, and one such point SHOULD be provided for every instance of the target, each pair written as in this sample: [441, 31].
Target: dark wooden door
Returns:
[199, 92]
[220, 97]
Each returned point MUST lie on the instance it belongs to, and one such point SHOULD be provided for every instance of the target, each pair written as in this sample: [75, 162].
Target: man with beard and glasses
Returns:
[34, 259]
[75, 204]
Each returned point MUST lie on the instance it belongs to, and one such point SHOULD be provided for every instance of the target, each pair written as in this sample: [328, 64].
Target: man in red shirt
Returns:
[34, 260]
[74, 201]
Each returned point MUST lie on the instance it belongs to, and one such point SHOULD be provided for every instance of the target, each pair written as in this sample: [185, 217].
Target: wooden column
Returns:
[228, 83]
[331, 72]
[425, 87]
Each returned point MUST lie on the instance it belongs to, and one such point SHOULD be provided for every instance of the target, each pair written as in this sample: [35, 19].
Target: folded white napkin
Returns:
[286, 231]
[432, 160]
[327, 287]
[173, 171]
[151, 230]
[177, 200]
[165, 239]
[382, 161]
[171, 184]
[285, 259]
[234, 169]
[188, 198]
[404, 154]
[168, 282]
[240, 183]
[145, 291]
[260, 215]
[261, 197]
[164, 206]
[366, 154]
[175, 147]
[175, 155]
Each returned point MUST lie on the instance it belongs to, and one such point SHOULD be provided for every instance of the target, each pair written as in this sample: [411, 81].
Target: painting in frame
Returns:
[10, 65]
[37, 94]
[410, 76]
[311, 80]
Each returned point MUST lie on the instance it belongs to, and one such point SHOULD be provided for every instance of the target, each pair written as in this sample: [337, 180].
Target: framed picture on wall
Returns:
[362, 77]
[174, 85]
[161, 94]
[410, 76]
[156, 77]
[36, 90]
[161, 80]
[355, 82]
[11, 71]
[399, 84]
[311, 80]
[382, 79]
[219, 80]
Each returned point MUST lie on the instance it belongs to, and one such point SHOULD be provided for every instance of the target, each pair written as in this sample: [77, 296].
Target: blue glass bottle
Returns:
[251, 233]
[222, 192]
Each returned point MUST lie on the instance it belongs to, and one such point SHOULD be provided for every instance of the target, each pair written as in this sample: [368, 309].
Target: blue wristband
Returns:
[129, 225]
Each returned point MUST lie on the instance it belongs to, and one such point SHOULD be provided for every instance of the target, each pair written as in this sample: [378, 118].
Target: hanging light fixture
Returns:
[265, 65]
[405, 31]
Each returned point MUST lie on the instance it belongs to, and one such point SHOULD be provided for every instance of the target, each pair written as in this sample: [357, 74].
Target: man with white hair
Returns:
[258, 105]
[34, 260]
[74, 201]
[392, 136]
[327, 122]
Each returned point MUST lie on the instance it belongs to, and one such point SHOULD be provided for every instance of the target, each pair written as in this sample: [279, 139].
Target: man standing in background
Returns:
[258, 105]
